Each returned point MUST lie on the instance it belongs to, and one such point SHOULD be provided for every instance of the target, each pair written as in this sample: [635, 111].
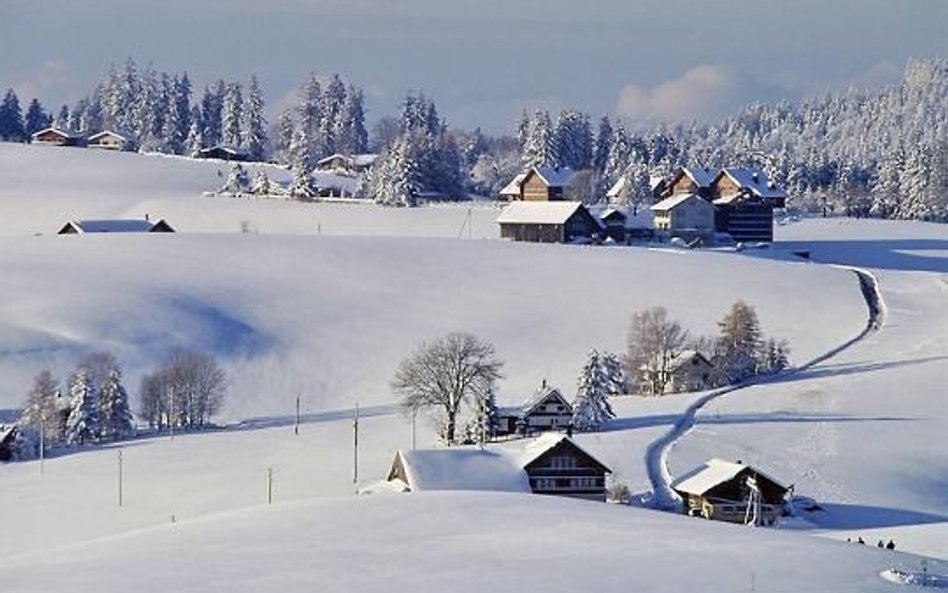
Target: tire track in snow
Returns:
[656, 454]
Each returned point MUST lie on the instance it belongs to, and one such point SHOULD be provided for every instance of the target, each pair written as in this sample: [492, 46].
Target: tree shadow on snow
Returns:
[823, 370]
[639, 422]
[854, 516]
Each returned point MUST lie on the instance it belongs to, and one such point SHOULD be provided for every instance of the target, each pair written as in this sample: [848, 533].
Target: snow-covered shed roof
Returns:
[714, 473]
[462, 468]
[124, 137]
[616, 190]
[134, 225]
[54, 130]
[555, 176]
[538, 212]
[672, 201]
[541, 395]
[754, 181]
[513, 188]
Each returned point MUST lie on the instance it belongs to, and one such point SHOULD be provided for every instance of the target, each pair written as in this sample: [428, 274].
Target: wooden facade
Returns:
[745, 200]
[546, 410]
[567, 470]
[690, 180]
[56, 137]
[110, 140]
[684, 213]
[536, 223]
[721, 491]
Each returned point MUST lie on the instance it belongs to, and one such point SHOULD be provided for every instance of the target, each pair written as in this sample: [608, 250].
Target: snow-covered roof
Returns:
[124, 137]
[541, 395]
[513, 188]
[364, 160]
[654, 181]
[616, 190]
[499, 467]
[57, 131]
[755, 181]
[134, 225]
[713, 473]
[463, 468]
[555, 176]
[538, 212]
[701, 176]
[672, 201]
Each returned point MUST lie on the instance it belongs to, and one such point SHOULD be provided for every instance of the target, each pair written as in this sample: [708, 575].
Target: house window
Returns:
[544, 484]
[562, 462]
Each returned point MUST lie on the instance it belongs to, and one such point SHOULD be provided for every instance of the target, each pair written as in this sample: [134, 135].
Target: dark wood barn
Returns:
[548, 222]
[722, 490]
[560, 467]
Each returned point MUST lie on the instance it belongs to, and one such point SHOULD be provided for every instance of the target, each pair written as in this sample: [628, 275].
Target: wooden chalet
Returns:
[552, 464]
[732, 492]
[686, 215]
[745, 201]
[511, 192]
[224, 153]
[690, 180]
[548, 222]
[541, 184]
[136, 225]
[110, 140]
[546, 410]
[346, 164]
[56, 137]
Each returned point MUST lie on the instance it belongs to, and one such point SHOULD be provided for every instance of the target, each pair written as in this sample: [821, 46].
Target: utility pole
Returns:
[120, 477]
[296, 426]
[269, 485]
[355, 449]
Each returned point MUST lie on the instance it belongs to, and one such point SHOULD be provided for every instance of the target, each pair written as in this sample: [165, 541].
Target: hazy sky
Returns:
[483, 61]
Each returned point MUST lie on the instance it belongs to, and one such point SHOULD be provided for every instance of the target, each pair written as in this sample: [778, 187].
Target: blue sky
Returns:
[483, 62]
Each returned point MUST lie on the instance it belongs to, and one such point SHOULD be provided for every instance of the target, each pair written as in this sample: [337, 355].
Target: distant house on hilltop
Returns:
[552, 464]
[745, 200]
[56, 137]
[80, 227]
[732, 492]
[344, 164]
[548, 222]
[546, 409]
[689, 370]
[224, 153]
[110, 140]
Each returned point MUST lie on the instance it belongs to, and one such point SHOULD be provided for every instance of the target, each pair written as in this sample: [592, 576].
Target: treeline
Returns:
[93, 407]
[863, 153]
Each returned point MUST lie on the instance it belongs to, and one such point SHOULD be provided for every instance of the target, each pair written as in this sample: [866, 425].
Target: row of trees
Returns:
[94, 406]
[740, 350]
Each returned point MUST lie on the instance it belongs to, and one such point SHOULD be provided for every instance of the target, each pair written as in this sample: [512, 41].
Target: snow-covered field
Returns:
[325, 299]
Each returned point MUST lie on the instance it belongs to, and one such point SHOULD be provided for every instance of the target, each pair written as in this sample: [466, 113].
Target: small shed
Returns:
[56, 137]
[688, 370]
[548, 222]
[732, 492]
[135, 225]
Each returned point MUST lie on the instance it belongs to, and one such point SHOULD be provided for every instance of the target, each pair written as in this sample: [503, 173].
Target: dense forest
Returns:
[880, 152]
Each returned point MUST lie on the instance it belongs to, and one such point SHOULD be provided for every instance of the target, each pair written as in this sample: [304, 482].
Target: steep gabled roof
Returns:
[58, 131]
[700, 176]
[712, 474]
[554, 176]
[616, 190]
[754, 181]
[123, 136]
[538, 212]
[543, 394]
[513, 188]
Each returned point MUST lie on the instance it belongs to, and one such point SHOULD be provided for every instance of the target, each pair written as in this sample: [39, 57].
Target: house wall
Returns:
[566, 471]
[535, 189]
[692, 375]
[751, 220]
[724, 187]
[581, 224]
[682, 185]
[51, 138]
[696, 214]
[533, 233]
[108, 142]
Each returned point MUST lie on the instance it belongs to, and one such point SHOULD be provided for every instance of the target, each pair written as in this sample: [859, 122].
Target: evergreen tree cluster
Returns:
[424, 159]
[600, 379]
[93, 408]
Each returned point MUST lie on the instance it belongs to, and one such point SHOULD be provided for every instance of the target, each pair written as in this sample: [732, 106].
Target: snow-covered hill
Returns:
[325, 300]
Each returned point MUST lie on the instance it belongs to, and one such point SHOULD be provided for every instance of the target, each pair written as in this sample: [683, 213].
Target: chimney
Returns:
[543, 384]
[146, 216]
[755, 176]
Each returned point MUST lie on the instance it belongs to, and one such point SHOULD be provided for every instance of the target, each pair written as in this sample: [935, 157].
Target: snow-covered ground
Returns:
[325, 299]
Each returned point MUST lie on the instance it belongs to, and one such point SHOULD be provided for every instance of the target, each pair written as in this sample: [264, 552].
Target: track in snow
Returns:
[656, 455]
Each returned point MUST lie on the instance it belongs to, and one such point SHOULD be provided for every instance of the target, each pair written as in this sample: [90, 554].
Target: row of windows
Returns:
[566, 483]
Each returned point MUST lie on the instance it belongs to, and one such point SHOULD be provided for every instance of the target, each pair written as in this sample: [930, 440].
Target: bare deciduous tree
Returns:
[655, 341]
[186, 391]
[445, 374]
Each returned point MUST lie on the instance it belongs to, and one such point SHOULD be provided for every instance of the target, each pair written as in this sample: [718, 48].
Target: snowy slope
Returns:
[290, 312]
[457, 542]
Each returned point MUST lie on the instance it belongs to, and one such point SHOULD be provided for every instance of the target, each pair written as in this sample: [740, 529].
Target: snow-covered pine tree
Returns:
[83, 425]
[12, 128]
[285, 130]
[302, 186]
[238, 180]
[62, 120]
[115, 415]
[773, 356]
[483, 426]
[572, 140]
[397, 179]
[36, 118]
[591, 407]
[351, 136]
[255, 126]
[603, 144]
[738, 345]
[538, 149]
[310, 115]
[194, 142]
[261, 186]
[212, 103]
[232, 115]
[612, 371]
[42, 407]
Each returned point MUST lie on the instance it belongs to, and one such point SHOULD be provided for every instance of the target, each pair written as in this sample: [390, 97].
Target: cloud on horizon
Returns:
[702, 93]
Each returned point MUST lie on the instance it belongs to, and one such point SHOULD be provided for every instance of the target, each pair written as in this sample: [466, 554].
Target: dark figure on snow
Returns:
[890, 545]
[860, 540]
[881, 544]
